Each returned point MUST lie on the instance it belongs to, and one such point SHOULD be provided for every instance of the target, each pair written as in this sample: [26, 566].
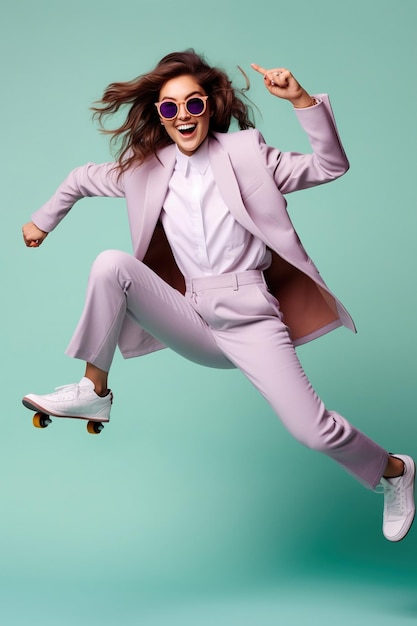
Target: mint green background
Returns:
[194, 506]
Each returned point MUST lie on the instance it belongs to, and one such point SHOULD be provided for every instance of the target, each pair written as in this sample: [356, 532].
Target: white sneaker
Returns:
[399, 506]
[76, 400]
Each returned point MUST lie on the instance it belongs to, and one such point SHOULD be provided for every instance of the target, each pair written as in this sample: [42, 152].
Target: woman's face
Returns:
[186, 130]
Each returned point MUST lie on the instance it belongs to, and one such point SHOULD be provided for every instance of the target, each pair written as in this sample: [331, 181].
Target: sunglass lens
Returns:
[195, 106]
[168, 110]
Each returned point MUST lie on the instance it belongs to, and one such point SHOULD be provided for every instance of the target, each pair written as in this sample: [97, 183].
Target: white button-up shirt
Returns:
[204, 237]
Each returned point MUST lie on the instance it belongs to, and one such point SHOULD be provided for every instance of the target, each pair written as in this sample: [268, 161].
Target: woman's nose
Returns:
[182, 111]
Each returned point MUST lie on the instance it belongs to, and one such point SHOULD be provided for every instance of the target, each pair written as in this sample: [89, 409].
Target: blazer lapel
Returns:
[228, 187]
[157, 181]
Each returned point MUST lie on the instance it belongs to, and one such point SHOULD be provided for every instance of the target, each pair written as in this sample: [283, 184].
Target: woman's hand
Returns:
[281, 83]
[32, 235]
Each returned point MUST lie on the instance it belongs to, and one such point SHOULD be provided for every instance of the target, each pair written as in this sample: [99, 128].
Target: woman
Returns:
[218, 273]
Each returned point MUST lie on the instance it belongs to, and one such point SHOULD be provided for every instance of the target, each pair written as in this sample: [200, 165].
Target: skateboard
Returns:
[43, 420]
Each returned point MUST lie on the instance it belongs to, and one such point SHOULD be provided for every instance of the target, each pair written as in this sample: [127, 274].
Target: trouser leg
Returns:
[241, 327]
[120, 285]
[257, 341]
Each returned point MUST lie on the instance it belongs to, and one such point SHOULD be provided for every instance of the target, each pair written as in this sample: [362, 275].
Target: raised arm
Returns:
[293, 171]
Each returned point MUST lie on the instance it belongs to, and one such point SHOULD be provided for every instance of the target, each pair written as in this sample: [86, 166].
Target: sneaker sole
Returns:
[32, 406]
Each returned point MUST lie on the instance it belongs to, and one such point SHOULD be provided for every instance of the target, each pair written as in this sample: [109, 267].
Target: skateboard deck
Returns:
[42, 419]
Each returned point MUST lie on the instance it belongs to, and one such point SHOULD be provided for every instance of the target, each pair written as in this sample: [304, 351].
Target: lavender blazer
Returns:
[252, 178]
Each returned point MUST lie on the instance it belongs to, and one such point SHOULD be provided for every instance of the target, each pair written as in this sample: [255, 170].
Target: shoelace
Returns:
[67, 390]
[394, 498]
[71, 386]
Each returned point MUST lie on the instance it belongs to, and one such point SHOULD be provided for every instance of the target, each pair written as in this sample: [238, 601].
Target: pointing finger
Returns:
[258, 68]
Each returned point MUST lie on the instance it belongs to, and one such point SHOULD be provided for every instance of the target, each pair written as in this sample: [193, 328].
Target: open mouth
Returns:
[186, 129]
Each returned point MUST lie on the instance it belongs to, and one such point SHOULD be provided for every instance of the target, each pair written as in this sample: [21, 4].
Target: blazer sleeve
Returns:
[86, 181]
[293, 171]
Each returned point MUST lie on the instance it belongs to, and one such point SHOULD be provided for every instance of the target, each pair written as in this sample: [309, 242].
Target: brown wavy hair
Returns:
[141, 135]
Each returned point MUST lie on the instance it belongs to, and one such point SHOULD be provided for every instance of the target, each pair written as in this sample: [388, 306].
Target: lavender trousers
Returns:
[225, 321]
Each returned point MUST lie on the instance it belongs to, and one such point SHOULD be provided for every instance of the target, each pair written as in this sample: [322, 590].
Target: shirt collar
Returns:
[199, 160]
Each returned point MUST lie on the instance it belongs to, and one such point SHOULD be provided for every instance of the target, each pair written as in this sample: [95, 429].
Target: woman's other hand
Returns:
[32, 235]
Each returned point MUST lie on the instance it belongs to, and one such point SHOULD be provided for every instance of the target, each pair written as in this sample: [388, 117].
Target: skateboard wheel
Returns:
[40, 420]
[94, 428]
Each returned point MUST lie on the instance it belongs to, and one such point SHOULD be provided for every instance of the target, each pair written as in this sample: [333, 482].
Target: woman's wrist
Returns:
[304, 103]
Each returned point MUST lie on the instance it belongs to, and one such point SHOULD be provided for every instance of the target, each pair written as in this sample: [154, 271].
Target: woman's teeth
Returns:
[186, 129]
